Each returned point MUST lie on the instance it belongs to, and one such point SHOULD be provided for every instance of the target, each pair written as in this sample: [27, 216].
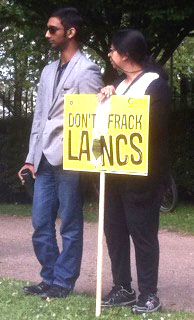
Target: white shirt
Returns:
[138, 88]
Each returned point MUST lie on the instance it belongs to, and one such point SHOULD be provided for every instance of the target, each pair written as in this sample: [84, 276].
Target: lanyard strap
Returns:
[137, 78]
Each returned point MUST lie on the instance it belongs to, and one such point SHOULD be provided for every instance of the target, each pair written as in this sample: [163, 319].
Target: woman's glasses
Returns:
[111, 49]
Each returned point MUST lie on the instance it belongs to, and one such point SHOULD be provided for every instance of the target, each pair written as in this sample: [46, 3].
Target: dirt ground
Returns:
[176, 275]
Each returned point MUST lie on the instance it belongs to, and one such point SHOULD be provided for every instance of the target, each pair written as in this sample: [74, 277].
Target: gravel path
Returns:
[176, 277]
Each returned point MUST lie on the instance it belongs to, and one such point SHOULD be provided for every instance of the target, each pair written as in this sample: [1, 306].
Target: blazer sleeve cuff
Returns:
[29, 159]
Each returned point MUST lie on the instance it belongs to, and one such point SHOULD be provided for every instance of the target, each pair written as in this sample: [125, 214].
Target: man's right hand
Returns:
[26, 166]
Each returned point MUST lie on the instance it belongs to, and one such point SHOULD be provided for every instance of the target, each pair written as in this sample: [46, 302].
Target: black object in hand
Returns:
[29, 181]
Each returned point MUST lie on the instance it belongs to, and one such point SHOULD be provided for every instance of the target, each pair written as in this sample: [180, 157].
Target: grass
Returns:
[23, 210]
[16, 209]
[14, 305]
[91, 211]
[181, 220]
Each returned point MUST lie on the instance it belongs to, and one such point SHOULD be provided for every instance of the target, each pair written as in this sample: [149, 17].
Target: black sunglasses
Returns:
[52, 29]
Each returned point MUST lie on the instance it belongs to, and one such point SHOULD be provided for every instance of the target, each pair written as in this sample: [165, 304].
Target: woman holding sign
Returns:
[133, 202]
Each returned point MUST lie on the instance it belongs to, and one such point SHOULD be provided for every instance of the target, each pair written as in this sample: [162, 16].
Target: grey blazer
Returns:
[80, 76]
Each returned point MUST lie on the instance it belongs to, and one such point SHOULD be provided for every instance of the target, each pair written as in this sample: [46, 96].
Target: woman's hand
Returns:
[105, 92]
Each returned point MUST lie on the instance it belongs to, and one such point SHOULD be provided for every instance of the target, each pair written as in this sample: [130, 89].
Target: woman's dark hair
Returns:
[69, 18]
[131, 43]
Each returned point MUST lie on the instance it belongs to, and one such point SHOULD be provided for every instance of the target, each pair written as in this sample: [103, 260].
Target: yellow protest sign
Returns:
[124, 144]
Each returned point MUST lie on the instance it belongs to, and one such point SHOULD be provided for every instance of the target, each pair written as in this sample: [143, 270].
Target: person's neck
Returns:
[132, 76]
[132, 71]
[68, 53]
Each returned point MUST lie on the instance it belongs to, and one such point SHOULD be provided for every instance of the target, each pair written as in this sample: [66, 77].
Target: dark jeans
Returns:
[132, 210]
[57, 191]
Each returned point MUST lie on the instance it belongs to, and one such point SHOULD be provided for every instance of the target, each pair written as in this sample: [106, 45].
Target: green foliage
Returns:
[184, 58]
[24, 51]
[21, 64]
[14, 305]
[181, 67]
[102, 18]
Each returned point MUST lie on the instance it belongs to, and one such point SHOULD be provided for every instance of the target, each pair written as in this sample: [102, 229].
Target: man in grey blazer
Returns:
[56, 190]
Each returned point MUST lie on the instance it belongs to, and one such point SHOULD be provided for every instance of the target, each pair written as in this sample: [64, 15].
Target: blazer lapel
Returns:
[66, 74]
[51, 81]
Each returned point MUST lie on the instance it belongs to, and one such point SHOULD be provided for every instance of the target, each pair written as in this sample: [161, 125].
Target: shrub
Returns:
[182, 149]
[14, 136]
[14, 139]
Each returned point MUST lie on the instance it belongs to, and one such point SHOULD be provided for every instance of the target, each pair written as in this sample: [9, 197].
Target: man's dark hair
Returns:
[69, 17]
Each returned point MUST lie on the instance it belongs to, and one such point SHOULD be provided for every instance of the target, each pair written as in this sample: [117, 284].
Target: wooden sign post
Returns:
[100, 245]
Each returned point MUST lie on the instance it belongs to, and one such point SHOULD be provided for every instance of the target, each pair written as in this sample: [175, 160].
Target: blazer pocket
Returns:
[66, 90]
